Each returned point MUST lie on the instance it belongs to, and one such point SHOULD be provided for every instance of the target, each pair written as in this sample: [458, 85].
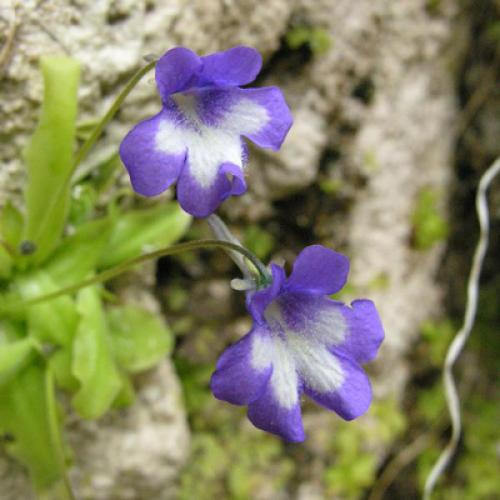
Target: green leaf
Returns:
[49, 156]
[54, 321]
[83, 200]
[78, 255]
[23, 415]
[93, 364]
[98, 169]
[11, 225]
[5, 263]
[144, 230]
[11, 331]
[126, 396]
[429, 226]
[140, 339]
[61, 365]
[13, 356]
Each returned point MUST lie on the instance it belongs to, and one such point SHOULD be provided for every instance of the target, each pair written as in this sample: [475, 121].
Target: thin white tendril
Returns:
[452, 398]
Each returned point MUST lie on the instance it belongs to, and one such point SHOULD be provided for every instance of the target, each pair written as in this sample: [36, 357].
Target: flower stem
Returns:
[264, 276]
[222, 232]
[87, 145]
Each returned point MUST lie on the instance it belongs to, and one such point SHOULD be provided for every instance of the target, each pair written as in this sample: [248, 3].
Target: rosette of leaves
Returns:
[80, 343]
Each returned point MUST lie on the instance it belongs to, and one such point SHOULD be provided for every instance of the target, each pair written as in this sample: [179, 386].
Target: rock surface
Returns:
[375, 112]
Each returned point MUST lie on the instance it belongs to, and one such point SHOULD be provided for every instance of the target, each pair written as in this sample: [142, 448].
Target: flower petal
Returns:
[243, 370]
[257, 302]
[151, 166]
[365, 330]
[201, 201]
[278, 409]
[354, 395]
[272, 132]
[177, 70]
[268, 414]
[236, 66]
[315, 317]
[307, 327]
[319, 270]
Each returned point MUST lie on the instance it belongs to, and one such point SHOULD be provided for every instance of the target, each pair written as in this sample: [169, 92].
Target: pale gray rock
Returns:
[136, 453]
[398, 142]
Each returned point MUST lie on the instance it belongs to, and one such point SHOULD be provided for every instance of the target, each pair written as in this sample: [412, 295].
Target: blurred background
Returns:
[396, 108]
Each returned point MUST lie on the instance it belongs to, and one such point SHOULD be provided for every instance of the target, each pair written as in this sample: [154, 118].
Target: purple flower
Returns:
[196, 139]
[301, 342]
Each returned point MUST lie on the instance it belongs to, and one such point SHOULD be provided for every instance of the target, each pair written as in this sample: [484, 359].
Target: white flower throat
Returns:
[209, 146]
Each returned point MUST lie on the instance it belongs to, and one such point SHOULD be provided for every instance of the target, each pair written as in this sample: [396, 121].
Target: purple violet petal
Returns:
[234, 67]
[320, 270]
[238, 379]
[151, 170]
[257, 302]
[176, 71]
[201, 201]
[279, 118]
[314, 317]
[356, 330]
[365, 331]
[267, 414]
[352, 399]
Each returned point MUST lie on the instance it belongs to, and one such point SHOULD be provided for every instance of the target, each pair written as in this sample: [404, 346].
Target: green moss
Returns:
[429, 226]
[485, 339]
[317, 39]
[433, 7]
[331, 186]
[259, 241]
[370, 161]
[194, 379]
[353, 446]
[390, 419]
[176, 298]
[493, 32]
[476, 471]
[229, 458]
[379, 282]
[437, 336]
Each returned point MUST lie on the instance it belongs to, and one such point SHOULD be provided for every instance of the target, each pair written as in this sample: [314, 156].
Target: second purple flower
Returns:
[302, 341]
[197, 138]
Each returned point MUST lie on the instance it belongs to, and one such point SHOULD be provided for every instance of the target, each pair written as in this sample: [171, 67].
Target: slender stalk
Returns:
[264, 276]
[222, 232]
[55, 436]
[87, 145]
